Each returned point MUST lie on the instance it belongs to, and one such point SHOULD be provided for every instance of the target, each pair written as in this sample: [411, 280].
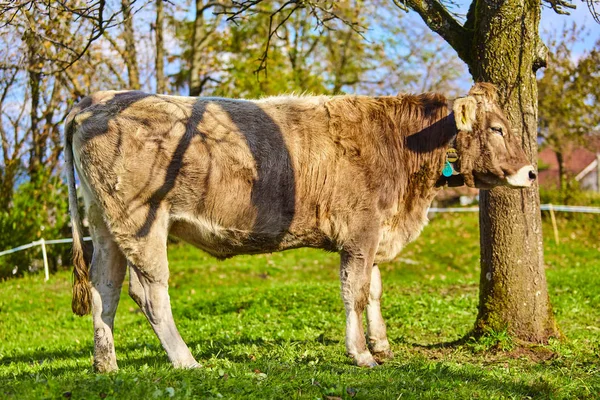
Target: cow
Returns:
[348, 174]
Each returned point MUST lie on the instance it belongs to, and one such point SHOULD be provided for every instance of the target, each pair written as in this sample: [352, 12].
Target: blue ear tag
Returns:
[448, 170]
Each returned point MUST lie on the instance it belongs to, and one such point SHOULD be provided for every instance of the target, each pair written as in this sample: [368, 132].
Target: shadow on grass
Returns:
[444, 345]
[413, 378]
[224, 349]
[44, 356]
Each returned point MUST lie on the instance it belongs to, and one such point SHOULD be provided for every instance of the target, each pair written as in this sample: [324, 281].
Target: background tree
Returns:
[127, 50]
[161, 84]
[50, 57]
[569, 92]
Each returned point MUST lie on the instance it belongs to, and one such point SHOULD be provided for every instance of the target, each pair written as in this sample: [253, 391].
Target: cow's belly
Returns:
[224, 242]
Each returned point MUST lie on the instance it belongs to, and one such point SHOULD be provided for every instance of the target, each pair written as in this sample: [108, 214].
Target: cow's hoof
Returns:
[382, 356]
[365, 360]
[191, 365]
[368, 364]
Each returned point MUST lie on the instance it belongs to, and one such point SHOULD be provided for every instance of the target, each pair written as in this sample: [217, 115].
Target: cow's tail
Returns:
[82, 295]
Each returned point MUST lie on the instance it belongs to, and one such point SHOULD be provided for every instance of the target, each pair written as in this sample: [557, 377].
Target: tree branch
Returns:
[559, 6]
[323, 12]
[440, 20]
[263, 59]
[594, 7]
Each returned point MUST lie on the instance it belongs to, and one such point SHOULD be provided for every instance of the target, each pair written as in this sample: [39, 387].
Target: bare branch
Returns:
[90, 16]
[594, 7]
[322, 11]
[559, 6]
[263, 59]
[440, 20]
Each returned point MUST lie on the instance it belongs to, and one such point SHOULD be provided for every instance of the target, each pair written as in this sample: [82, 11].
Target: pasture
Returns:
[272, 326]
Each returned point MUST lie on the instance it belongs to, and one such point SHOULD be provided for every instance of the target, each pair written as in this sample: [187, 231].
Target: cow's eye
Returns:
[498, 130]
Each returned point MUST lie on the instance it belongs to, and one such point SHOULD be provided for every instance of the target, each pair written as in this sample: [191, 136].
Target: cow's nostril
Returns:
[532, 175]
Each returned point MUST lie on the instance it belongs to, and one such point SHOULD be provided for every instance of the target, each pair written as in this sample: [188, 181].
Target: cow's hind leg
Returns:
[378, 341]
[148, 286]
[107, 272]
[355, 274]
[150, 292]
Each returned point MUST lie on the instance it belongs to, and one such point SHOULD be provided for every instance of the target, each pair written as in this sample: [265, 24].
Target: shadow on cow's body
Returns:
[173, 161]
[349, 174]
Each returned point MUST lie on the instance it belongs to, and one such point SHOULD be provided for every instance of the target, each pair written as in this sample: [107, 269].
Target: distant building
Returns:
[581, 163]
[462, 195]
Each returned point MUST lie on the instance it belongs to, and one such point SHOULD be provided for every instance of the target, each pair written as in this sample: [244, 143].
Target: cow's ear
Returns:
[465, 113]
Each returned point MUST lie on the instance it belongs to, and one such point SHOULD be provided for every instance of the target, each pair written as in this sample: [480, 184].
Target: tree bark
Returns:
[197, 44]
[513, 289]
[161, 86]
[130, 53]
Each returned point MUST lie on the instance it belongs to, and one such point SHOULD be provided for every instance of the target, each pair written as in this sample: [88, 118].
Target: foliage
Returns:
[272, 326]
[47, 64]
[353, 46]
[39, 209]
[569, 92]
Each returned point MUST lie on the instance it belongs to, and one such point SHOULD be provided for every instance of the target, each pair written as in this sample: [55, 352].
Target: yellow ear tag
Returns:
[451, 155]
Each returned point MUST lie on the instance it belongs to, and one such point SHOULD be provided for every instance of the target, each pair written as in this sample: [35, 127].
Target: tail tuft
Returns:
[82, 294]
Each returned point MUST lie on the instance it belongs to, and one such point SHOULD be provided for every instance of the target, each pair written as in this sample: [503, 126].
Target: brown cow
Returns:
[350, 174]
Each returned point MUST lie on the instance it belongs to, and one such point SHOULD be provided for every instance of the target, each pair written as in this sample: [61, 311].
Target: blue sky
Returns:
[581, 15]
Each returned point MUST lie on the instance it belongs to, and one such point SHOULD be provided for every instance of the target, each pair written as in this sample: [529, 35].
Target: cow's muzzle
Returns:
[524, 177]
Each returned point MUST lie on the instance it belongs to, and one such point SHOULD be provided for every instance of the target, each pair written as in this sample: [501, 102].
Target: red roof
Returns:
[576, 159]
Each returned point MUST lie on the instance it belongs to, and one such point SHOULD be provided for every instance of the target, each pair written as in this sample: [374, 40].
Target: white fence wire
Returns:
[42, 243]
[543, 207]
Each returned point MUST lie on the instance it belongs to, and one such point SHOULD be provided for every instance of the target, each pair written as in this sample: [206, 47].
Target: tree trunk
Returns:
[35, 77]
[130, 53]
[161, 86]
[598, 172]
[197, 42]
[562, 174]
[513, 289]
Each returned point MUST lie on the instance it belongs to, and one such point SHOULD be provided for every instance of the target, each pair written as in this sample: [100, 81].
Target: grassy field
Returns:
[272, 326]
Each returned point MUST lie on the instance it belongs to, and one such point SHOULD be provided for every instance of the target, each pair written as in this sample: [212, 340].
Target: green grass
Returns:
[272, 326]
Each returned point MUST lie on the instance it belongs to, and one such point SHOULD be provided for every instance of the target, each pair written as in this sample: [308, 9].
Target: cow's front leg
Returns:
[378, 341]
[355, 275]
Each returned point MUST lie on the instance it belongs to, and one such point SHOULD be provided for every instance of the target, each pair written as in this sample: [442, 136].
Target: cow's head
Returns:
[489, 153]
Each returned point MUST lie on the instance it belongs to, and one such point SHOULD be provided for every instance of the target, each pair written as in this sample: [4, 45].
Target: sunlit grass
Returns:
[272, 326]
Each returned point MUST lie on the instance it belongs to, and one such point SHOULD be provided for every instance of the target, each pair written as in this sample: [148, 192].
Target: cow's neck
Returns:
[427, 149]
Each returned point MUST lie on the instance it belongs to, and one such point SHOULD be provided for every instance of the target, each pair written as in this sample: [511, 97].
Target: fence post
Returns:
[554, 227]
[46, 272]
